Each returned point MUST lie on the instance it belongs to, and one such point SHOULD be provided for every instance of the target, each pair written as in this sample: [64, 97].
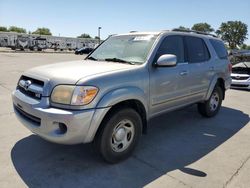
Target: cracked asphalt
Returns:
[181, 149]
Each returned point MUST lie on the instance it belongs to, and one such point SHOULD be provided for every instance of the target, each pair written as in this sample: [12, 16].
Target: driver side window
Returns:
[172, 45]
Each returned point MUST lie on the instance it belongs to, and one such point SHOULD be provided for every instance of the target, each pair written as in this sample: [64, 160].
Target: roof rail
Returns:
[194, 31]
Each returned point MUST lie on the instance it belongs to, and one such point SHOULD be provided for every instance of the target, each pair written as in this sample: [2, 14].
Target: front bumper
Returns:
[47, 121]
[239, 84]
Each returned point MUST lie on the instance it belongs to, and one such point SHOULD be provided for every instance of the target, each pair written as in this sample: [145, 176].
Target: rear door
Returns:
[201, 68]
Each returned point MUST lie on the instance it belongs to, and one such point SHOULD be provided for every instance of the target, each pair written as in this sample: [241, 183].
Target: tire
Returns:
[212, 106]
[119, 135]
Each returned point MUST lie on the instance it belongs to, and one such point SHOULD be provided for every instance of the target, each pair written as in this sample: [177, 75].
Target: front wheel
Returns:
[119, 135]
[212, 106]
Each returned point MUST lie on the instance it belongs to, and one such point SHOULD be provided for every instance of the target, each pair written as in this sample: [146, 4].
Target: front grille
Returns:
[238, 70]
[35, 81]
[239, 77]
[33, 119]
[239, 85]
[34, 90]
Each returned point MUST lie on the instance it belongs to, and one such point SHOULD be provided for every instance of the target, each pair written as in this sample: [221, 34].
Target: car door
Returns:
[201, 67]
[167, 88]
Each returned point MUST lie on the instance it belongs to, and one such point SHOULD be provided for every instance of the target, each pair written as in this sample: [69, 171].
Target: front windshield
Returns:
[125, 48]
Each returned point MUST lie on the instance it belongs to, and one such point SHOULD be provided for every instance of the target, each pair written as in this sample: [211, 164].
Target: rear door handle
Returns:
[183, 73]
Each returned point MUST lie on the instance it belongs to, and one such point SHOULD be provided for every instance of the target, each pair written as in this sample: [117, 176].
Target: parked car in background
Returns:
[241, 75]
[83, 50]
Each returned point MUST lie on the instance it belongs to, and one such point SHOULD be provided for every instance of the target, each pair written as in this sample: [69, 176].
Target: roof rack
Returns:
[194, 31]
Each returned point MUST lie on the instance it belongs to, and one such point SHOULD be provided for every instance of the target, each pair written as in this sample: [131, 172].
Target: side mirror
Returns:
[166, 60]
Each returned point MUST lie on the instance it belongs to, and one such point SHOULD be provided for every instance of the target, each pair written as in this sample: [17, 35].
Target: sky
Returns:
[74, 17]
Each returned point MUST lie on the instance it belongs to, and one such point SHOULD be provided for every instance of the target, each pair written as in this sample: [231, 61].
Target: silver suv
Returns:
[109, 97]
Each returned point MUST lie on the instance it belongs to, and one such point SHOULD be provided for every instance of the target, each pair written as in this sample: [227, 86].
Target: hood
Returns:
[71, 72]
[242, 65]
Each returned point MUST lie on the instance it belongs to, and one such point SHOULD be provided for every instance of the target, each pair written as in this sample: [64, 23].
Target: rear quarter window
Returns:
[219, 48]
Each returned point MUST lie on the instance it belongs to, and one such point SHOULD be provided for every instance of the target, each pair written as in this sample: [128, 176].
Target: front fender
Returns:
[122, 94]
[108, 100]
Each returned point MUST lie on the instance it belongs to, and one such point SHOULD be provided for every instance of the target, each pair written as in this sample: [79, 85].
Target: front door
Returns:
[168, 85]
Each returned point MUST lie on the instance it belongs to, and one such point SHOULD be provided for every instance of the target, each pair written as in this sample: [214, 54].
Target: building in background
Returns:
[40, 42]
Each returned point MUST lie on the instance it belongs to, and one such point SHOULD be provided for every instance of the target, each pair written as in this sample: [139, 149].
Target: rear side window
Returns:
[219, 48]
[172, 45]
[196, 50]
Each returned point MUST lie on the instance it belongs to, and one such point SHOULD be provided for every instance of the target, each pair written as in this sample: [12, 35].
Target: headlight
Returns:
[83, 95]
[73, 95]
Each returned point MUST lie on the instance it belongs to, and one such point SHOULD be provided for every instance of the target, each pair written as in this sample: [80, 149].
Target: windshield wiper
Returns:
[119, 60]
[92, 58]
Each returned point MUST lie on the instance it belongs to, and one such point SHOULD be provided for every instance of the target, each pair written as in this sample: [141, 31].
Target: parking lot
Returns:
[181, 149]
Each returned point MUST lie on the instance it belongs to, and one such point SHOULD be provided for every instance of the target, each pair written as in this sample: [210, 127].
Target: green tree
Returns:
[42, 31]
[17, 29]
[96, 37]
[233, 32]
[3, 29]
[203, 27]
[84, 35]
[245, 47]
[183, 28]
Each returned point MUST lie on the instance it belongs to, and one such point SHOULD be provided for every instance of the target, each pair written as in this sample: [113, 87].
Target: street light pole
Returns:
[99, 34]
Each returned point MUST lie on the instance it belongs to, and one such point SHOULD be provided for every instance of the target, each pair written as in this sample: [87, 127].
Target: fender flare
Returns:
[122, 94]
[211, 86]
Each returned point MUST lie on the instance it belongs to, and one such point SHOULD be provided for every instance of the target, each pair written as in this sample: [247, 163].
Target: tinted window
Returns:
[172, 45]
[196, 50]
[219, 48]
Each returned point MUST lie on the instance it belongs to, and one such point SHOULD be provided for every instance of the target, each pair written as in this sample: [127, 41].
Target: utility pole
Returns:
[99, 34]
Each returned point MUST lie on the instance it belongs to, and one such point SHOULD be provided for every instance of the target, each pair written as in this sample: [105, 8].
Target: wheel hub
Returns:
[214, 101]
[123, 135]
[120, 134]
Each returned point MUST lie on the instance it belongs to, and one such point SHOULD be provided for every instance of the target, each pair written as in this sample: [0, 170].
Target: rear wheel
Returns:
[119, 135]
[212, 106]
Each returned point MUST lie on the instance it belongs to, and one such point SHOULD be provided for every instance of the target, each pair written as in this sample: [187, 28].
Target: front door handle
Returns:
[183, 73]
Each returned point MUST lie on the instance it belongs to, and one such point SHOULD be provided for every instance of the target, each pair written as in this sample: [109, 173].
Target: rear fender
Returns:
[212, 85]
